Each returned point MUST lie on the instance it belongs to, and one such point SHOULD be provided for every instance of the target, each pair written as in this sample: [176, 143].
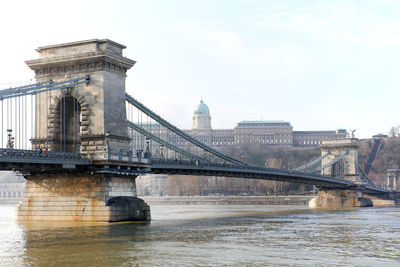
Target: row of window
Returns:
[318, 137]
[11, 194]
[309, 142]
[263, 141]
[222, 143]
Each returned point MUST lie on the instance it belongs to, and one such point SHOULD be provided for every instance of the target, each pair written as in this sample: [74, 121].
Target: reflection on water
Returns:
[197, 235]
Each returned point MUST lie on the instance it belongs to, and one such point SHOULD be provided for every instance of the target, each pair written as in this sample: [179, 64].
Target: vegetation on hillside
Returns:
[388, 157]
[282, 157]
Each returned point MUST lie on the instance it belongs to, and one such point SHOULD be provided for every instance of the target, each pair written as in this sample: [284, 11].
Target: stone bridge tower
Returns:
[85, 118]
[346, 168]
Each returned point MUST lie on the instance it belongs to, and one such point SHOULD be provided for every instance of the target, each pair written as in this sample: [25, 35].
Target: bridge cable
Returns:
[41, 87]
[311, 163]
[47, 121]
[180, 133]
[39, 118]
[329, 163]
[160, 141]
[32, 120]
[366, 177]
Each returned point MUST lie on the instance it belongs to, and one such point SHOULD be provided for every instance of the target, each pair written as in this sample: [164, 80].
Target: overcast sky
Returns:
[320, 65]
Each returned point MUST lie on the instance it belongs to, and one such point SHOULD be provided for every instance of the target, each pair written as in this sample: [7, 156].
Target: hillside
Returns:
[282, 157]
[388, 157]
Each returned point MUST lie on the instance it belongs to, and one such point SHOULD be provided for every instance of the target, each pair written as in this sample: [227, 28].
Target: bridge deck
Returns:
[39, 161]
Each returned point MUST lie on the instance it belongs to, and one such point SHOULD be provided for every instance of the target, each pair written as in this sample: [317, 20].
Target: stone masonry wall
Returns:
[81, 198]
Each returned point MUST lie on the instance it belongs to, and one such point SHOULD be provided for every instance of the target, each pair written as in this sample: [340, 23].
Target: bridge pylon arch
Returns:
[102, 101]
[347, 167]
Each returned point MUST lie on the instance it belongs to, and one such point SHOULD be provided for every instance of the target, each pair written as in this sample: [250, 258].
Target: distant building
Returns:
[392, 179]
[379, 136]
[151, 185]
[314, 138]
[264, 132]
[11, 187]
[255, 132]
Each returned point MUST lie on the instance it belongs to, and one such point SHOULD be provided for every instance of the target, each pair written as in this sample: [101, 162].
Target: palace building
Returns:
[255, 132]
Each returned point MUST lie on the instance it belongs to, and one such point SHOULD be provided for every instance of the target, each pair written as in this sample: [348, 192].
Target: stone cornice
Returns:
[330, 146]
[80, 59]
[93, 61]
[79, 43]
[341, 143]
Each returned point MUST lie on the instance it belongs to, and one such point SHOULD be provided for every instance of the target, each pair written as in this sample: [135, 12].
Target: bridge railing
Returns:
[40, 154]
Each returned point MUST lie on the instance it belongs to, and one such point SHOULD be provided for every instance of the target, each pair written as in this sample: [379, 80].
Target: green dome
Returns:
[202, 109]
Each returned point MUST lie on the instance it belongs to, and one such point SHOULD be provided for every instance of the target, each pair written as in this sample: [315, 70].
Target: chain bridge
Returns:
[80, 141]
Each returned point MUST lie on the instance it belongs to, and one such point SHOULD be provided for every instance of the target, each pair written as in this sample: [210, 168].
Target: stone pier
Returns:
[81, 198]
[342, 199]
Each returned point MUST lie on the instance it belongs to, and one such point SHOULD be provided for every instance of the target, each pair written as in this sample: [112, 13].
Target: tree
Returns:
[394, 131]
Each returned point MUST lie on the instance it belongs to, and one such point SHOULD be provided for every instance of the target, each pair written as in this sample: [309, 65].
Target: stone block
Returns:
[341, 199]
[80, 198]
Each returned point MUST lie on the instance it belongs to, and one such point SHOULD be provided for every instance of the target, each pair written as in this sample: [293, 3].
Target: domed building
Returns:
[201, 128]
[201, 116]
[203, 131]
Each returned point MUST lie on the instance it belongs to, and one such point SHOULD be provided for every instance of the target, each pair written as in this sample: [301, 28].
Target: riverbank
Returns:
[6, 202]
[229, 200]
[214, 200]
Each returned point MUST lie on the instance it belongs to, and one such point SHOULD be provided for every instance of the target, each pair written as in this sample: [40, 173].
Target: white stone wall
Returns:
[11, 191]
[120, 187]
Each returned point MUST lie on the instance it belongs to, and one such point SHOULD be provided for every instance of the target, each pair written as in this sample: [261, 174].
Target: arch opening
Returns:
[68, 133]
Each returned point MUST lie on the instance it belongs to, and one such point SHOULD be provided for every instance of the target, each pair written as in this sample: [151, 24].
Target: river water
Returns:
[200, 235]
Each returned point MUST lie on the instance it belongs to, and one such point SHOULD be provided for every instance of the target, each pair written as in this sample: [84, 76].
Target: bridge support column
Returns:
[98, 197]
[341, 199]
[346, 169]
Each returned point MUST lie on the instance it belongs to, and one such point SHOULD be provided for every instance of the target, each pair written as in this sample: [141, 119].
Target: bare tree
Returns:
[394, 131]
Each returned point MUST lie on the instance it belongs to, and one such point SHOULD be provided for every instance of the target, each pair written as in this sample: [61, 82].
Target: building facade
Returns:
[11, 187]
[256, 132]
[392, 179]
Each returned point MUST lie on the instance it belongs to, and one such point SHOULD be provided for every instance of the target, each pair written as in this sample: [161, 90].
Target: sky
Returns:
[321, 65]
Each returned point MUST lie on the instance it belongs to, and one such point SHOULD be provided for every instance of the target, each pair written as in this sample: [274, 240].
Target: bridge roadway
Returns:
[178, 167]
[31, 162]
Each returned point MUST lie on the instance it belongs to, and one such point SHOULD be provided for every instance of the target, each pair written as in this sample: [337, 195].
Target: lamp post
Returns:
[10, 142]
[147, 144]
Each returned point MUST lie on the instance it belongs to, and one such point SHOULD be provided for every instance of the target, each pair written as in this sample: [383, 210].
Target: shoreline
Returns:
[214, 200]
[228, 200]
